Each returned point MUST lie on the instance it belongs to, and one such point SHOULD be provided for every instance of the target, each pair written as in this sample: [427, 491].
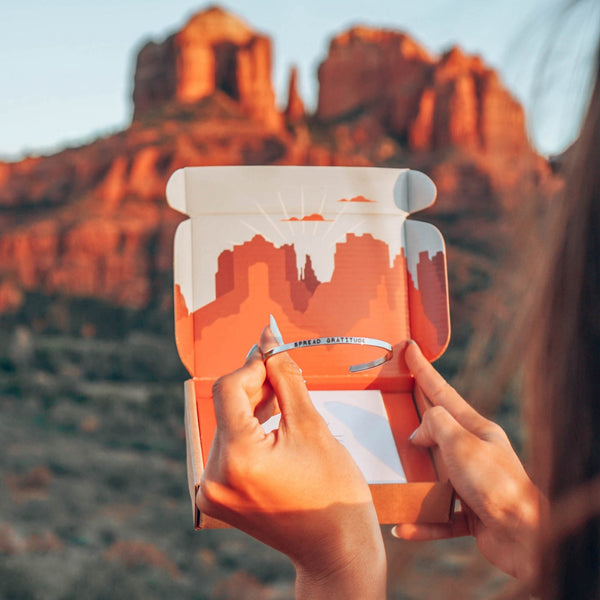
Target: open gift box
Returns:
[330, 253]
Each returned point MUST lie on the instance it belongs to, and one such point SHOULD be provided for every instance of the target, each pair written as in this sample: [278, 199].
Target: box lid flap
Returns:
[198, 191]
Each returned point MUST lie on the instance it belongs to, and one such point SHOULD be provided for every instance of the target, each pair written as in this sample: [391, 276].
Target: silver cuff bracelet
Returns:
[330, 341]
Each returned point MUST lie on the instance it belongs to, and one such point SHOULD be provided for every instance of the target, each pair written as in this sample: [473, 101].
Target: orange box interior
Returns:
[427, 497]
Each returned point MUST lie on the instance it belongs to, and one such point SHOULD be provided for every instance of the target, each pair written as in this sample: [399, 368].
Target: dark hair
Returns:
[562, 375]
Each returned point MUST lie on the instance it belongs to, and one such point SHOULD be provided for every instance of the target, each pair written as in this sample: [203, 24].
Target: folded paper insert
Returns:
[329, 252]
[359, 421]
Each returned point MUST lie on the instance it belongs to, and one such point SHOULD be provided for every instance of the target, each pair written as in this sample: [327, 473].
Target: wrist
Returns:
[348, 562]
[537, 515]
[526, 532]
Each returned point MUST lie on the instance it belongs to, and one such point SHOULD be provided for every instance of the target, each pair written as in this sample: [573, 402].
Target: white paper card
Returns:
[359, 421]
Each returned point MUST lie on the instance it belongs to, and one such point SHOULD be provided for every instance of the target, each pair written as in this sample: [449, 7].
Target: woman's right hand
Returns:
[296, 488]
[500, 504]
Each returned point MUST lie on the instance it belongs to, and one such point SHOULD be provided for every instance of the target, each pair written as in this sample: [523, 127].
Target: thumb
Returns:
[458, 526]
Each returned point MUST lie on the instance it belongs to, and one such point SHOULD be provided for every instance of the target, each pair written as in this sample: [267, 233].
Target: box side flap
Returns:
[414, 191]
[195, 459]
[183, 294]
[176, 194]
[427, 288]
[425, 502]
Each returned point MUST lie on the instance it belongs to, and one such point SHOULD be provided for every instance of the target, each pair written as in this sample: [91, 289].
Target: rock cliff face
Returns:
[214, 51]
[429, 104]
[372, 70]
[91, 222]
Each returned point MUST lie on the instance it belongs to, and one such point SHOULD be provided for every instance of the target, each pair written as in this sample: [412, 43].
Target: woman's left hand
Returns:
[501, 507]
[296, 488]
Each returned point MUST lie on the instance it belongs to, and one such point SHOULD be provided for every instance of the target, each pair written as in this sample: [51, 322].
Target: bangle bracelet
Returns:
[330, 341]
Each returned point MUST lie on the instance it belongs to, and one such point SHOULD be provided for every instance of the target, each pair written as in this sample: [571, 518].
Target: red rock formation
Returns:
[366, 68]
[92, 221]
[214, 51]
[457, 101]
[294, 111]
[11, 296]
[465, 105]
[108, 258]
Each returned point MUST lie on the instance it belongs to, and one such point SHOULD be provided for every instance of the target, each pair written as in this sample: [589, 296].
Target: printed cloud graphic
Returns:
[313, 217]
[356, 199]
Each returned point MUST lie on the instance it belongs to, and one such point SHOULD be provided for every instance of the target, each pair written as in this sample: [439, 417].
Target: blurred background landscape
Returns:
[94, 501]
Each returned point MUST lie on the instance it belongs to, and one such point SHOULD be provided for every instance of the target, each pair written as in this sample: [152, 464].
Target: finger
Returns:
[287, 381]
[457, 527]
[439, 428]
[267, 408]
[264, 402]
[439, 392]
[237, 394]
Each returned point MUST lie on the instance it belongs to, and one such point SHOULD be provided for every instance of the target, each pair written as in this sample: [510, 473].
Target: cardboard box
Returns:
[329, 252]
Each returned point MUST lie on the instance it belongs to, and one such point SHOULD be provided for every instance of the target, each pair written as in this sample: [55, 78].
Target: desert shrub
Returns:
[103, 580]
[15, 584]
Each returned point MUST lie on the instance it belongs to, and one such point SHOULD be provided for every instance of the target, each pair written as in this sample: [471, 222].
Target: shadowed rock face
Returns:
[92, 222]
[294, 110]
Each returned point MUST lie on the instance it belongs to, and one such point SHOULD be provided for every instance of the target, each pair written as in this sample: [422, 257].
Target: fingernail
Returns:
[411, 342]
[251, 351]
[412, 435]
[275, 330]
[394, 532]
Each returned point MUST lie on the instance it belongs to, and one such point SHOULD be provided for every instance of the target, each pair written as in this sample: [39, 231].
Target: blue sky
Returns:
[66, 66]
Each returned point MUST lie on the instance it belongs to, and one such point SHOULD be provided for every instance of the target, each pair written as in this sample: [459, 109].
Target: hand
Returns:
[500, 504]
[296, 489]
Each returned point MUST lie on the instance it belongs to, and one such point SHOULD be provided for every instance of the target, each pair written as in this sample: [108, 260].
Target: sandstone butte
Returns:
[92, 221]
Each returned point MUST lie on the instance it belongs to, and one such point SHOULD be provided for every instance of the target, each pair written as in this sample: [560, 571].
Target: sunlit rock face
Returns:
[429, 103]
[372, 69]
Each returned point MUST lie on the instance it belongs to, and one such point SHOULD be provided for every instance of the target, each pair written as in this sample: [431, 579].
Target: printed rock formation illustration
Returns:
[378, 305]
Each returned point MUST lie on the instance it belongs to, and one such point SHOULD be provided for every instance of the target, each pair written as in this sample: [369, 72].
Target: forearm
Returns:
[362, 578]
